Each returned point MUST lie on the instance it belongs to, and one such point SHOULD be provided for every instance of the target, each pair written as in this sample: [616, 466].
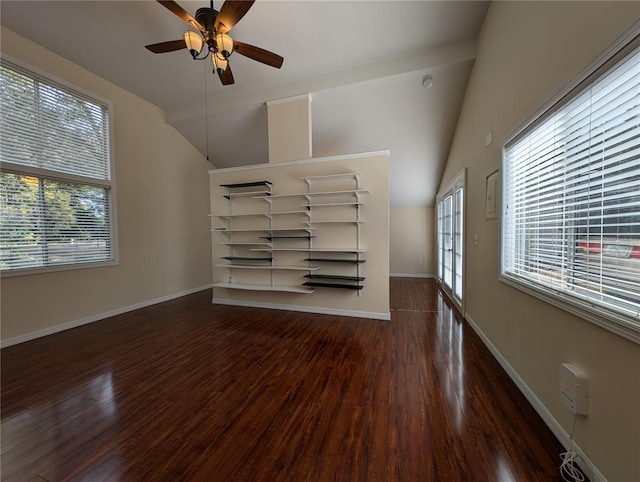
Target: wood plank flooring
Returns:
[187, 390]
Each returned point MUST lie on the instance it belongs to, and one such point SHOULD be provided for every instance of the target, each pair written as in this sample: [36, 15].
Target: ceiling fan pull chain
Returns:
[206, 111]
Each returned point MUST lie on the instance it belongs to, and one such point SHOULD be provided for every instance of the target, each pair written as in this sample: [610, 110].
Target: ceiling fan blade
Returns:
[169, 46]
[256, 53]
[231, 13]
[182, 13]
[227, 76]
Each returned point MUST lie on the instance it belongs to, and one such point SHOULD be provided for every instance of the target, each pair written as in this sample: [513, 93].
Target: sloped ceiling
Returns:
[363, 62]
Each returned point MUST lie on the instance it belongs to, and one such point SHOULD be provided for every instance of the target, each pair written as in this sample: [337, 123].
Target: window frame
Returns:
[602, 62]
[46, 174]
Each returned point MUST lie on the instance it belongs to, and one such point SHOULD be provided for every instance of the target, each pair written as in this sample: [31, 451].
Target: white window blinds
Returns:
[571, 190]
[55, 180]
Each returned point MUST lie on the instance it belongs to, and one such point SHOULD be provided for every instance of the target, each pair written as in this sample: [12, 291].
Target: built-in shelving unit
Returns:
[344, 206]
[242, 240]
[310, 222]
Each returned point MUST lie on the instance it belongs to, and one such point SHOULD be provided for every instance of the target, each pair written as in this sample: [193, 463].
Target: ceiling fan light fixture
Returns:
[219, 64]
[208, 37]
[224, 44]
[194, 43]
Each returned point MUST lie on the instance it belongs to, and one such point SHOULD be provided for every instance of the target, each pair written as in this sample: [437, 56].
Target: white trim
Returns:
[600, 58]
[584, 310]
[587, 466]
[90, 319]
[459, 180]
[57, 267]
[59, 80]
[412, 275]
[304, 309]
[289, 99]
[344, 157]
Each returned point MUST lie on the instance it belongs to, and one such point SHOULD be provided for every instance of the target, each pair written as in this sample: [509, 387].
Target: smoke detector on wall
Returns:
[427, 81]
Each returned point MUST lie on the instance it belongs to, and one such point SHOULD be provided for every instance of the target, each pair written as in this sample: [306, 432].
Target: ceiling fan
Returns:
[214, 27]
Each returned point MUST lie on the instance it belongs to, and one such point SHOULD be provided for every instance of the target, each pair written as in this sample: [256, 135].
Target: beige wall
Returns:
[412, 242]
[289, 129]
[374, 234]
[162, 205]
[527, 51]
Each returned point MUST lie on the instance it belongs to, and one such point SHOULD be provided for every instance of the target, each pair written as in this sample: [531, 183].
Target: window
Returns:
[55, 184]
[571, 190]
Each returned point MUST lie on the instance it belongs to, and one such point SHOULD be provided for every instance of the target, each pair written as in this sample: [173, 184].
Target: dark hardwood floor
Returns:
[187, 390]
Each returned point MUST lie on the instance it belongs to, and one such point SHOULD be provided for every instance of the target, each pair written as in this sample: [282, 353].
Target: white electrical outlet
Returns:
[573, 388]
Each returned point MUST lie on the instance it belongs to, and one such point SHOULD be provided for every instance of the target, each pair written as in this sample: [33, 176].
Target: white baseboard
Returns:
[587, 466]
[305, 309]
[410, 275]
[90, 319]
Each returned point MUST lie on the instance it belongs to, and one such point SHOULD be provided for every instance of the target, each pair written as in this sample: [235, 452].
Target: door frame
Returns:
[458, 183]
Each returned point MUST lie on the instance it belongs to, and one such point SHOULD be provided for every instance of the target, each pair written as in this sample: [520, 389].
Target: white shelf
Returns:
[284, 230]
[257, 243]
[330, 176]
[280, 196]
[239, 215]
[266, 214]
[260, 193]
[302, 211]
[248, 287]
[264, 230]
[320, 205]
[333, 193]
[313, 194]
[250, 266]
[335, 222]
[314, 250]
[251, 230]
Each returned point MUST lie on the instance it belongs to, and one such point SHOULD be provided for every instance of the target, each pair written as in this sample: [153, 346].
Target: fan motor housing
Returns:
[207, 18]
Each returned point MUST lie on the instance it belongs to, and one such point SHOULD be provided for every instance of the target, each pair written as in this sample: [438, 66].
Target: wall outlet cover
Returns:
[573, 388]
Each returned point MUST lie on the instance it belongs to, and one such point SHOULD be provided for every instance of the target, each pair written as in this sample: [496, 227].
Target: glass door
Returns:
[447, 241]
[450, 240]
[457, 244]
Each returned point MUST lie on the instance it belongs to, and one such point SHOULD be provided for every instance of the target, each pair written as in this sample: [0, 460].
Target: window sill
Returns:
[609, 321]
[57, 268]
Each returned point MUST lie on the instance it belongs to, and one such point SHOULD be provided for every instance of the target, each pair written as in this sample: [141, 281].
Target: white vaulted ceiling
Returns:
[363, 63]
